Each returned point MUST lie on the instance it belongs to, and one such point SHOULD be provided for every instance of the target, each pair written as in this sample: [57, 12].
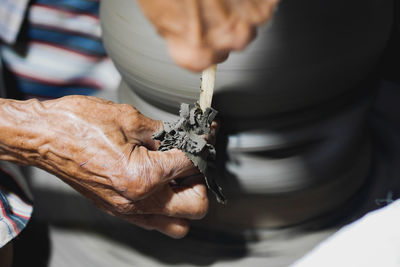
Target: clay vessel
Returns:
[281, 94]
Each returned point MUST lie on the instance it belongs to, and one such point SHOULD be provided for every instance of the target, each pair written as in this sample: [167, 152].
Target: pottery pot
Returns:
[280, 101]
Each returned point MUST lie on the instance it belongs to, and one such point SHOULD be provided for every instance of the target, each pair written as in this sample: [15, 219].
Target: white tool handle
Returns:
[207, 87]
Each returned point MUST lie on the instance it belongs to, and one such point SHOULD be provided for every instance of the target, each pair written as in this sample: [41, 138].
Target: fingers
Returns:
[146, 133]
[202, 33]
[174, 164]
[233, 37]
[173, 227]
[199, 57]
[119, 206]
[138, 128]
[261, 10]
[167, 210]
[150, 170]
[212, 136]
[147, 171]
[193, 57]
[187, 200]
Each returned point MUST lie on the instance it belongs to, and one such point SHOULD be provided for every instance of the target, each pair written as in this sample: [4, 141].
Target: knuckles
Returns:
[131, 188]
[124, 208]
[138, 184]
[128, 109]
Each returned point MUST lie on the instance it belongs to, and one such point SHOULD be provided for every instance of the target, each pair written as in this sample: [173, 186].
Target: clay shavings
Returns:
[187, 134]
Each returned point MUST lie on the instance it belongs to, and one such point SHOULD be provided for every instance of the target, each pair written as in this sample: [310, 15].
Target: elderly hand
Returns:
[105, 151]
[200, 33]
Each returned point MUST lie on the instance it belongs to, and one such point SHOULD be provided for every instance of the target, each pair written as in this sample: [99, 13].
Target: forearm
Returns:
[22, 132]
[49, 135]
[43, 134]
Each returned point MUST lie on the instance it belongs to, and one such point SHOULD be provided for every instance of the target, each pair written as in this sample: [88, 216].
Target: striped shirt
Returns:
[11, 16]
[58, 51]
[15, 202]
[63, 52]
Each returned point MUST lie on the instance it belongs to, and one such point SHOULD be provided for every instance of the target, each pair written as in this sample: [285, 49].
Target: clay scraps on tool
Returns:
[186, 134]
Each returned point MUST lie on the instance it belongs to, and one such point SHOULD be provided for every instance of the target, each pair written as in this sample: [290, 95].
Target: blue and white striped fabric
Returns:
[63, 55]
[14, 215]
[64, 52]
[15, 204]
[12, 13]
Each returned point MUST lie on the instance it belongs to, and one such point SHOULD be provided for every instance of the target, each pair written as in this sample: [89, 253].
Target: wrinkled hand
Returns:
[200, 33]
[105, 151]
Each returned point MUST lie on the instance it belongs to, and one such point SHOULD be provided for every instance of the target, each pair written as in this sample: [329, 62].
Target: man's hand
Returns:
[105, 151]
[200, 33]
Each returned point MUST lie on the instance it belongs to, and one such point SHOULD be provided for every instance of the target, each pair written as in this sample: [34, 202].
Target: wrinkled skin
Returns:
[105, 151]
[200, 33]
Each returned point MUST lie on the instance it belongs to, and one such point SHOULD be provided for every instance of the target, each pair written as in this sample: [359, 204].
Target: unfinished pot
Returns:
[292, 104]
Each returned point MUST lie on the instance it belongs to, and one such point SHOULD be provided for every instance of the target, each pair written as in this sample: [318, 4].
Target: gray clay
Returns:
[186, 134]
